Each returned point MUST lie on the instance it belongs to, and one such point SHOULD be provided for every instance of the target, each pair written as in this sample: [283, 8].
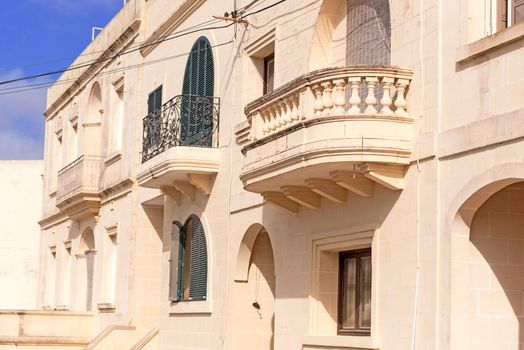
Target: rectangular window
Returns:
[117, 122]
[66, 275]
[507, 13]
[51, 276]
[354, 294]
[269, 73]
[154, 100]
[517, 12]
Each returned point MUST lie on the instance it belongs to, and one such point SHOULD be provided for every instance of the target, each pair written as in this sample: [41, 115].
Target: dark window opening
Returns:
[269, 73]
[354, 293]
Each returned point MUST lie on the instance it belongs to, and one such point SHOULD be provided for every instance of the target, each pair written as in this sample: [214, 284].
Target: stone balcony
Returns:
[180, 154]
[78, 192]
[326, 133]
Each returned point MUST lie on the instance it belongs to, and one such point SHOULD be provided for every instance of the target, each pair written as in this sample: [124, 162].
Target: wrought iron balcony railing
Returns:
[185, 120]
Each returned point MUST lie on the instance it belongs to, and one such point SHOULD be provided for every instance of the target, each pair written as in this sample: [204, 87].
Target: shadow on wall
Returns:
[253, 312]
[496, 270]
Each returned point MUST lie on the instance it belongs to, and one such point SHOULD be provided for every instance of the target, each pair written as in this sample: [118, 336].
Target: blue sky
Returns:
[33, 32]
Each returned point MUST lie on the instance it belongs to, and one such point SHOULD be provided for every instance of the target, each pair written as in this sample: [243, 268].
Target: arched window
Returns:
[196, 115]
[188, 261]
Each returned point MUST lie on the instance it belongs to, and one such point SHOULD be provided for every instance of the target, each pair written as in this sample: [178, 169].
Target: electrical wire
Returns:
[58, 71]
[212, 21]
[117, 70]
[84, 65]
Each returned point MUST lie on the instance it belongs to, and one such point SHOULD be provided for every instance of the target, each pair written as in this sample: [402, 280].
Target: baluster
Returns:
[272, 119]
[294, 107]
[280, 117]
[386, 100]
[283, 112]
[287, 103]
[371, 100]
[327, 98]
[400, 101]
[318, 99]
[340, 96]
[354, 100]
[265, 121]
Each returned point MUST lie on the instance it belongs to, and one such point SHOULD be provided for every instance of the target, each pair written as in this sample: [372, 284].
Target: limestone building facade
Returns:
[336, 174]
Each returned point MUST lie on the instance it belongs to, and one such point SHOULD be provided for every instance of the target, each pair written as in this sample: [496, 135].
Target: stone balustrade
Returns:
[348, 91]
[326, 133]
[78, 185]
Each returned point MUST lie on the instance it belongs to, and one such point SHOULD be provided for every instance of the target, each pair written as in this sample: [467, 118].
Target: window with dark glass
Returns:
[269, 73]
[518, 11]
[188, 262]
[354, 295]
[509, 13]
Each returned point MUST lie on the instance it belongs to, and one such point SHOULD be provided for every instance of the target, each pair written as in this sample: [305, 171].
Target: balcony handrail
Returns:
[71, 165]
[184, 120]
[82, 174]
[358, 91]
[317, 76]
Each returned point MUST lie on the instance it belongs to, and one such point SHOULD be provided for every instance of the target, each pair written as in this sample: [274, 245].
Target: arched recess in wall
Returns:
[351, 32]
[487, 259]
[85, 270]
[196, 114]
[93, 122]
[253, 292]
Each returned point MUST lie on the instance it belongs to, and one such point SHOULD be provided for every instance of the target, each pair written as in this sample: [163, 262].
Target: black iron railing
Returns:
[185, 120]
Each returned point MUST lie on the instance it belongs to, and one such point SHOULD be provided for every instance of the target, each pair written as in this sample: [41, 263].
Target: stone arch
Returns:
[330, 23]
[86, 270]
[483, 294]
[244, 252]
[254, 292]
[93, 122]
[87, 241]
[351, 32]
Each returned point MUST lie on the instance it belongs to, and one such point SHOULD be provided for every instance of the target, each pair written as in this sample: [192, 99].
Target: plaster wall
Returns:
[21, 187]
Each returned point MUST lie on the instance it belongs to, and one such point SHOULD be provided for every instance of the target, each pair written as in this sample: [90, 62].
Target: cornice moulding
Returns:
[102, 61]
[168, 26]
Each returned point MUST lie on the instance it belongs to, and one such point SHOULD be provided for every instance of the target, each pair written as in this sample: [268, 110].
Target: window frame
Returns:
[342, 256]
[269, 58]
[181, 262]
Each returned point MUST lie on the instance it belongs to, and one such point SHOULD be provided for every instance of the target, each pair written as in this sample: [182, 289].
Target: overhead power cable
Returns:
[12, 90]
[58, 71]
[212, 21]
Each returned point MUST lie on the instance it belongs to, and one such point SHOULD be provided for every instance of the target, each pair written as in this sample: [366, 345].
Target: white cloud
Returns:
[21, 120]
[15, 146]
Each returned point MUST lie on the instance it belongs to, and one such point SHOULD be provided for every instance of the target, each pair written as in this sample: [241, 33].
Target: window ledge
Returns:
[491, 43]
[340, 342]
[191, 307]
[113, 157]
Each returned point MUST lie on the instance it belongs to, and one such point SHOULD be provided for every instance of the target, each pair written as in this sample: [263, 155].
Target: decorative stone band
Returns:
[349, 91]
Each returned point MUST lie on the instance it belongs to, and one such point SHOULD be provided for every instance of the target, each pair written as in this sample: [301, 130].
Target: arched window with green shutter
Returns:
[188, 278]
[196, 114]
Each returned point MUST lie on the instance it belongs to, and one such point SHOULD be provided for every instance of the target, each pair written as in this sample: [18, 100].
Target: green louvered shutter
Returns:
[181, 257]
[196, 112]
[174, 264]
[198, 261]
[154, 100]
